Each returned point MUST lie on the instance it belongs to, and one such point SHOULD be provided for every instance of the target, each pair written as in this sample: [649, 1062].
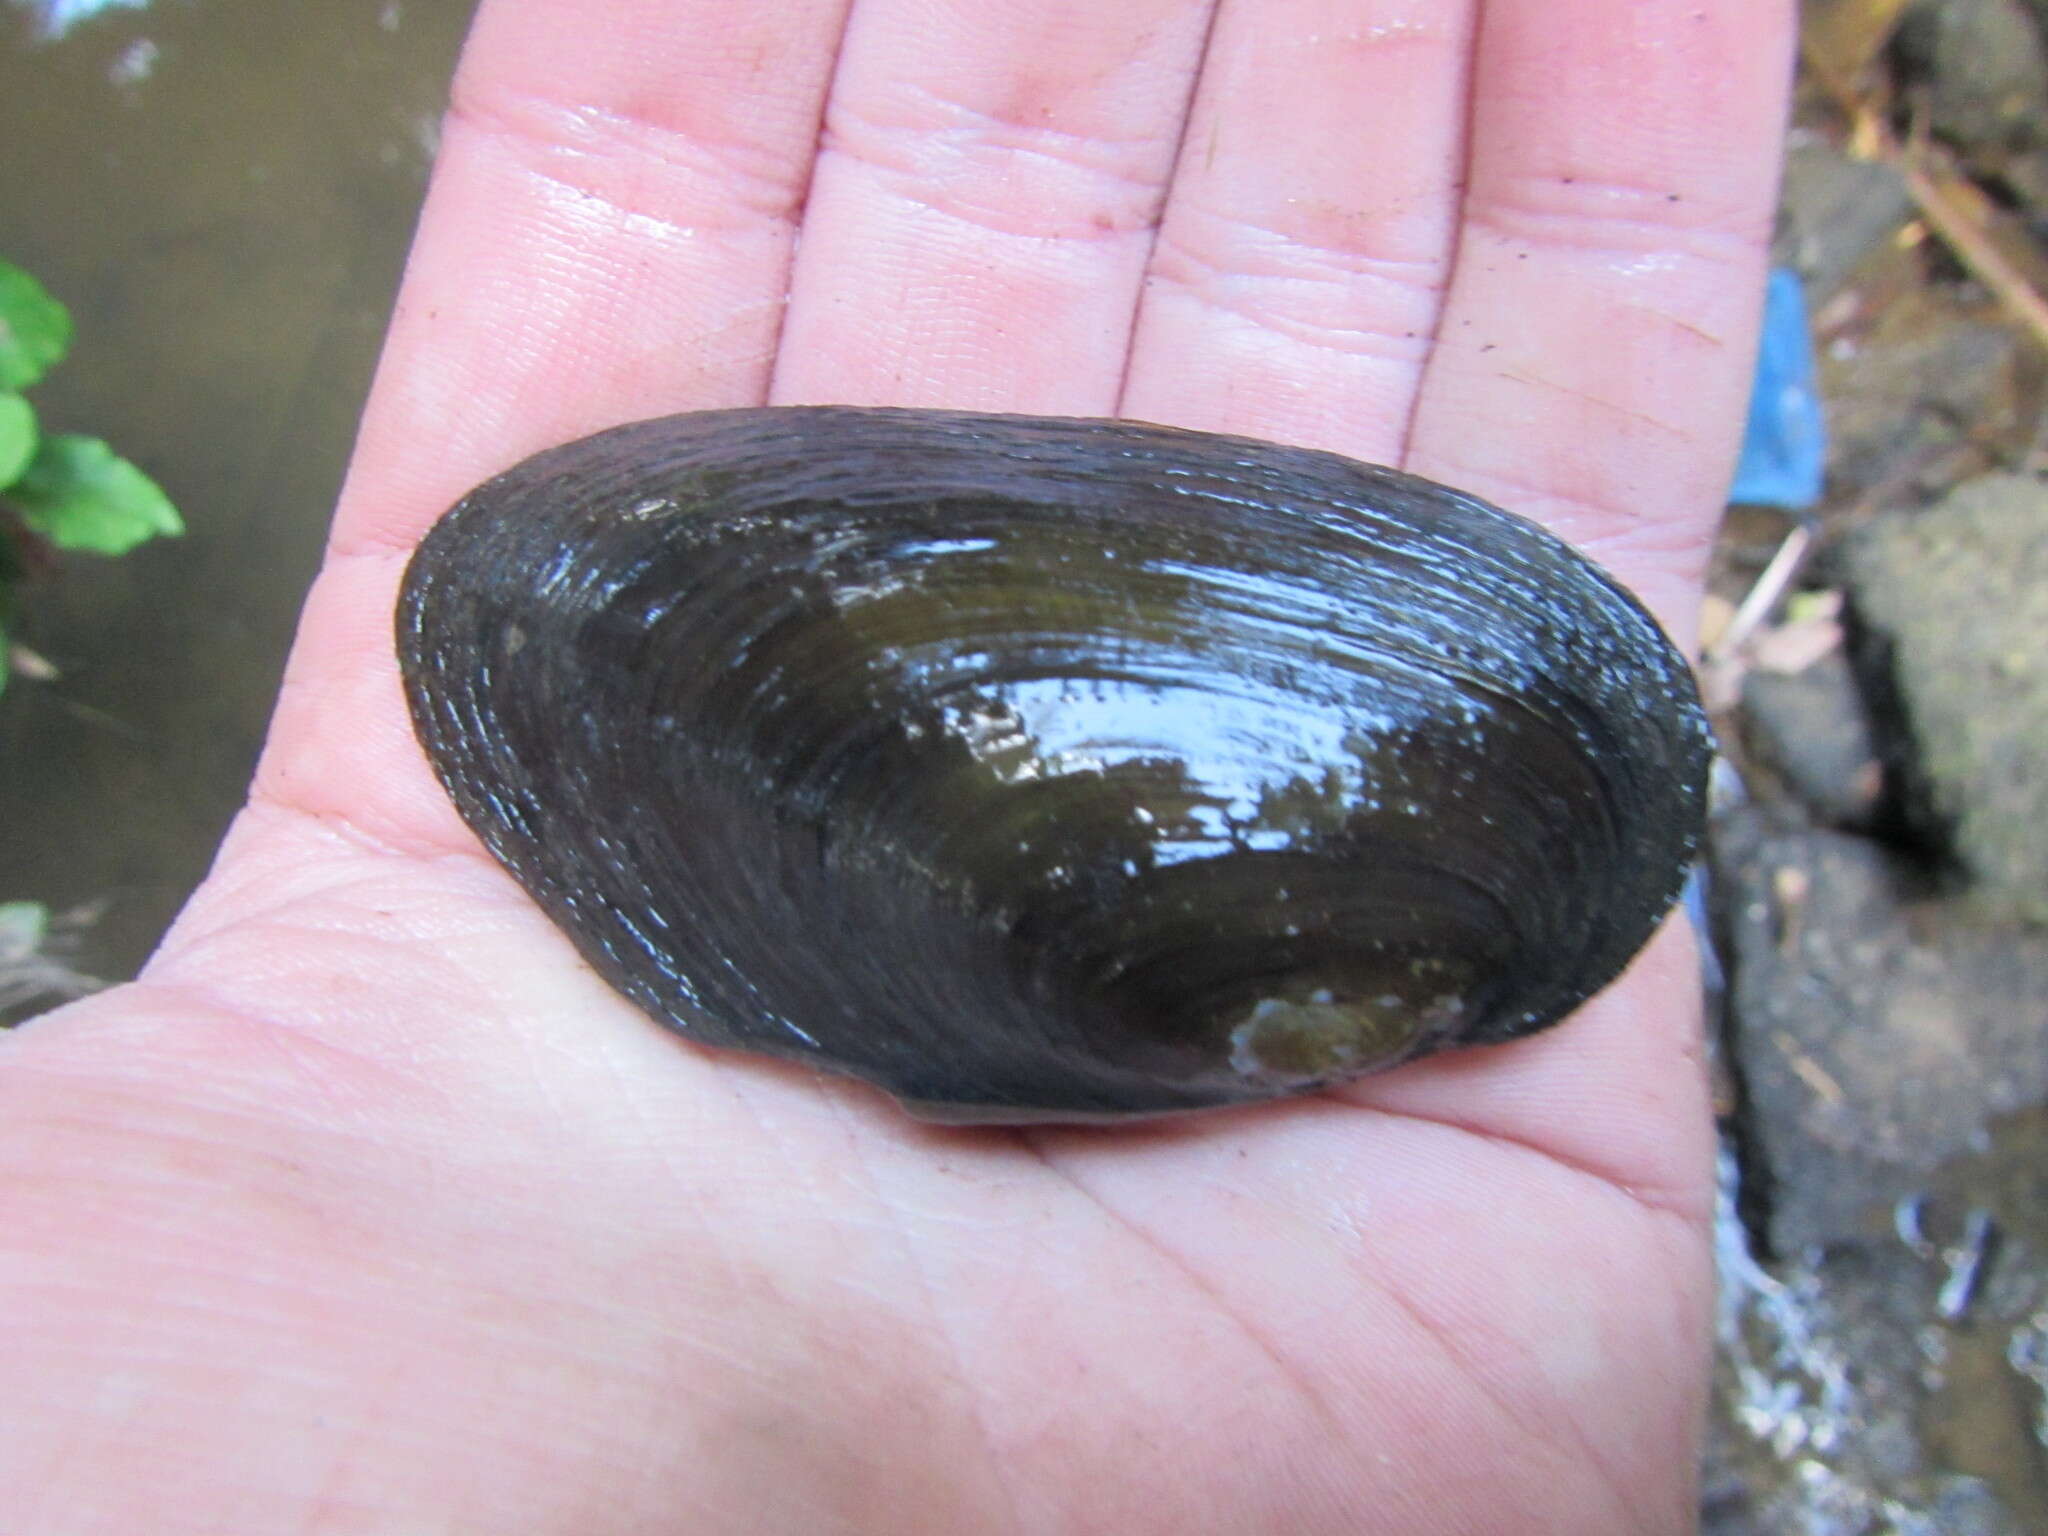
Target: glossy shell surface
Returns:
[1051, 769]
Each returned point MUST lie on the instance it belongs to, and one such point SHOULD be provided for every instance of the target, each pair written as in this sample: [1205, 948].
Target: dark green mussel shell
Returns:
[1041, 769]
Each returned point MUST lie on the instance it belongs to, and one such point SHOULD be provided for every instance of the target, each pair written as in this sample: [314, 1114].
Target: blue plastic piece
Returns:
[1784, 446]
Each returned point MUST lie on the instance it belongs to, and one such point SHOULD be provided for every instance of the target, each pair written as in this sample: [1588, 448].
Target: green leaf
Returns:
[17, 437]
[35, 330]
[23, 927]
[79, 494]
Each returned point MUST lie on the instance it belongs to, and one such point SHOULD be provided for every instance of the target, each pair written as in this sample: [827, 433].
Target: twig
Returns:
[1949, 203]
[1927, 180]
[1766, 591]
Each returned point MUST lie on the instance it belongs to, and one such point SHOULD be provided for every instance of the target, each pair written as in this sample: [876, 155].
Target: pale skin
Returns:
[369, 1209]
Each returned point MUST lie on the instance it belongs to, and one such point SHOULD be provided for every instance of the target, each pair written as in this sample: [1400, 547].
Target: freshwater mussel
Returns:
[1037, 768]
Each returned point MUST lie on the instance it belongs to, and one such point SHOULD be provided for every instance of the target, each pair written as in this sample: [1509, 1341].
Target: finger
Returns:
[991, 174]
[1596, 344]
[608, 236]
[1308, 234]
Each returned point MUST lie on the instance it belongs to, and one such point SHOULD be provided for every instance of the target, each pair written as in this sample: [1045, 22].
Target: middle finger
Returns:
[983, 205]
[1309, 231]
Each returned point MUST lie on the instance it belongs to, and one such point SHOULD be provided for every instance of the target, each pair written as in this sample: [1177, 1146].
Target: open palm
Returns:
[370, 1209]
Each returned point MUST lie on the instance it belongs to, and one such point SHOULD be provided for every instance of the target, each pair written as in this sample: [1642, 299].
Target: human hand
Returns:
[369, 1208]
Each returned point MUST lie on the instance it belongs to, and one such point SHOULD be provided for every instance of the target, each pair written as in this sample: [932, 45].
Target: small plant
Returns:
[58, 491]
[35, 958]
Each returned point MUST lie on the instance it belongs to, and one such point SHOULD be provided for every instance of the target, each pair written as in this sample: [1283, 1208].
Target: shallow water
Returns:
[1896, 1387]
[223, 192]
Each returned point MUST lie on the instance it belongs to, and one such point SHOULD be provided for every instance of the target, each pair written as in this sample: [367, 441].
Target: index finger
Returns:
[608, 236]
